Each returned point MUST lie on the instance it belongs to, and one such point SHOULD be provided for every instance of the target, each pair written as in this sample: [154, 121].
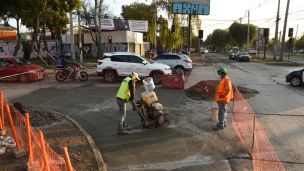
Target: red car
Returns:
[20, 69]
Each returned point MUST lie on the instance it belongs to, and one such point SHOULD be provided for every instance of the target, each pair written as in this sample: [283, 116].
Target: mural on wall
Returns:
[8, 49]
[88, 50]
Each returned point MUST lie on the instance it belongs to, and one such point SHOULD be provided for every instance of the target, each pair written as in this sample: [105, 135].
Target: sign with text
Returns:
[196, 7]
[138, 25]
[184, 32]
[260, 38]
[107, 24]
[92, 23]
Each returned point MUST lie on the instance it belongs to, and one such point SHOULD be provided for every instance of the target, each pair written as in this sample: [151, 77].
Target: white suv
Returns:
[174, 60]
[121, 64]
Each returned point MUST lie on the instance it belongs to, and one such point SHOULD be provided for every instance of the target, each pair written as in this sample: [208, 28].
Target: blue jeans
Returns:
[222, 112]
[122, 113]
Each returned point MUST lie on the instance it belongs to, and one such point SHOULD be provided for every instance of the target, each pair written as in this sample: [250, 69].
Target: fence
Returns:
[41, 155]
[244, 120]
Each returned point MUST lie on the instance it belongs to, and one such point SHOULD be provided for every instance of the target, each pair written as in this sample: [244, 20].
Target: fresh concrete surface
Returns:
[188, 143]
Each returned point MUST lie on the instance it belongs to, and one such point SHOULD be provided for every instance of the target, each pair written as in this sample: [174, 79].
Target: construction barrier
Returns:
[252, 135]
[41, 155]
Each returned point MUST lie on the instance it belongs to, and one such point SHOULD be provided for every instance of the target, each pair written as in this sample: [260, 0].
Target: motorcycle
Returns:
[63, 73]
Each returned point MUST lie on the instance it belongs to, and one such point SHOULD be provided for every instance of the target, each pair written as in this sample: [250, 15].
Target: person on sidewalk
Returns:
[125, 94]
[223, 95]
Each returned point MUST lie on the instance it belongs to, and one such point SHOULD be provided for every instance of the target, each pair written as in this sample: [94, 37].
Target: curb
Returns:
[99, 160]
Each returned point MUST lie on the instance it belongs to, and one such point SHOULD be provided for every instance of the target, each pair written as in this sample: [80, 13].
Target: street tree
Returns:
[239, 31]
[99, 11]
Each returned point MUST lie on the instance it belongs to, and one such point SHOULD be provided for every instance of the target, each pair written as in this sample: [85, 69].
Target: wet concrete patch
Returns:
[247, 92]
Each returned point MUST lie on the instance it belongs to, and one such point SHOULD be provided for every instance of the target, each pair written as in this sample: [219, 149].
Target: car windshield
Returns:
[235, 51]
[21, 62]
[245, 53]
[146, 59]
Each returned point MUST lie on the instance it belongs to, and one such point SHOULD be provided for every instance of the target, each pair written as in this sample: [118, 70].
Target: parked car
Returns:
[174, 60]
[14, 68]
[252, 51]
[243, 56]
[301, 51]
[192, 50]
[295, 77]
[233, 54]
[185, 52]
[122, 64]
[204, 50]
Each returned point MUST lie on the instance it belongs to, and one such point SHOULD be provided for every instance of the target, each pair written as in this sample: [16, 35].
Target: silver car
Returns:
[174, 60]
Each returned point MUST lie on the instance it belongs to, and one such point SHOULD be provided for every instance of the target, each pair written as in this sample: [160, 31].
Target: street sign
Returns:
[185, 34]
[260, 38]
[195, 7]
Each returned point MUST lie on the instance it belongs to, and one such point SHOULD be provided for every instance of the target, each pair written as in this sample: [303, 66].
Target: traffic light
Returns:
[201, 34]
[266, 32]
[290, 40]
[110, 39]
[266, 40]
[53, 34]
[290, 31]
[202, 41]
[173, 28]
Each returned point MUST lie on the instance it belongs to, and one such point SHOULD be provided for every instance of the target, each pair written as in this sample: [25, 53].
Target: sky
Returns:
[223, 13]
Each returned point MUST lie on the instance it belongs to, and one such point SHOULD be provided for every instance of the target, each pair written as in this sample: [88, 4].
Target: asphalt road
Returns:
[278, 106]
[189, 142]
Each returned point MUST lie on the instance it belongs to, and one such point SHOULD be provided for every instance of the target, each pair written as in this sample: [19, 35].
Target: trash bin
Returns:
[173, 81]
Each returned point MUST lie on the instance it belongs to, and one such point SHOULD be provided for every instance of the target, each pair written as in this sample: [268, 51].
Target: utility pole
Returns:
[276, 34]
[241, 20]
[72, 37]
[154, 21]
[80, 44]
[279, 44]
[284, 31]
[248, 33]
[294, 45]
[189, 33]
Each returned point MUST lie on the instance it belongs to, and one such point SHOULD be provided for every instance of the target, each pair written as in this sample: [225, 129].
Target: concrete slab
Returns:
[20, 153]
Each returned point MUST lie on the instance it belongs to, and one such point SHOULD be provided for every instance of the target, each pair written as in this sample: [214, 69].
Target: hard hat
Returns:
[134, 76]
[223, 70]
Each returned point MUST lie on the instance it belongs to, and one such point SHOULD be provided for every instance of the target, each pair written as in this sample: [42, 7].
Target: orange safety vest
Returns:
[221, 89]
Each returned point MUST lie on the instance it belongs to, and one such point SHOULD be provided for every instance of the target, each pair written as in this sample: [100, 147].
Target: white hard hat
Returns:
[135, 75]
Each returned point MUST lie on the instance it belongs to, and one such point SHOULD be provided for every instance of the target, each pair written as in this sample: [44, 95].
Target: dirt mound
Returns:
[204, 90]
[38, 116]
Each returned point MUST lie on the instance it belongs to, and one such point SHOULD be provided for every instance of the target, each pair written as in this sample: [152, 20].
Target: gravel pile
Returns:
[37, 115]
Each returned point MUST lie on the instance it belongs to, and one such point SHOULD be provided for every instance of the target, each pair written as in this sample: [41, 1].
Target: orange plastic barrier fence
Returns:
[39, 145]
[252, 135]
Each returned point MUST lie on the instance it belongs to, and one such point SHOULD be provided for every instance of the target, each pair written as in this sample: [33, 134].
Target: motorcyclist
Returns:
[66, 65]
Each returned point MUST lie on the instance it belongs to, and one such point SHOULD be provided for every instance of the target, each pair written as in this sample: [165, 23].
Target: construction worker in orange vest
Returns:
[223, 95]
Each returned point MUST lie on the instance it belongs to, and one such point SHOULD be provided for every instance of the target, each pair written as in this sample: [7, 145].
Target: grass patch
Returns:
[298, 54]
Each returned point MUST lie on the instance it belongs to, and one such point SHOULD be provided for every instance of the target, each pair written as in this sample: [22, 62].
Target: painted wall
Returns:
[89, 50]
[8, 48]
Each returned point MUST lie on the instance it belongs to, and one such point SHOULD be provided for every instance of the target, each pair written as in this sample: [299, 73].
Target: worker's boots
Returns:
[127, 127]
[122, 132]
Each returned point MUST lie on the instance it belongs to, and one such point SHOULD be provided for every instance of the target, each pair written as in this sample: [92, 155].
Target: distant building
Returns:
[7, 32]
[122, 41]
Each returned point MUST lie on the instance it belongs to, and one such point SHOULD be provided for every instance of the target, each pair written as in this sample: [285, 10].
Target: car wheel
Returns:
[179, 67]
[295, 81]
[23, 78]
[156, 75]
[249, 60]
[230, 57]
[109, 76]
[238, 59]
